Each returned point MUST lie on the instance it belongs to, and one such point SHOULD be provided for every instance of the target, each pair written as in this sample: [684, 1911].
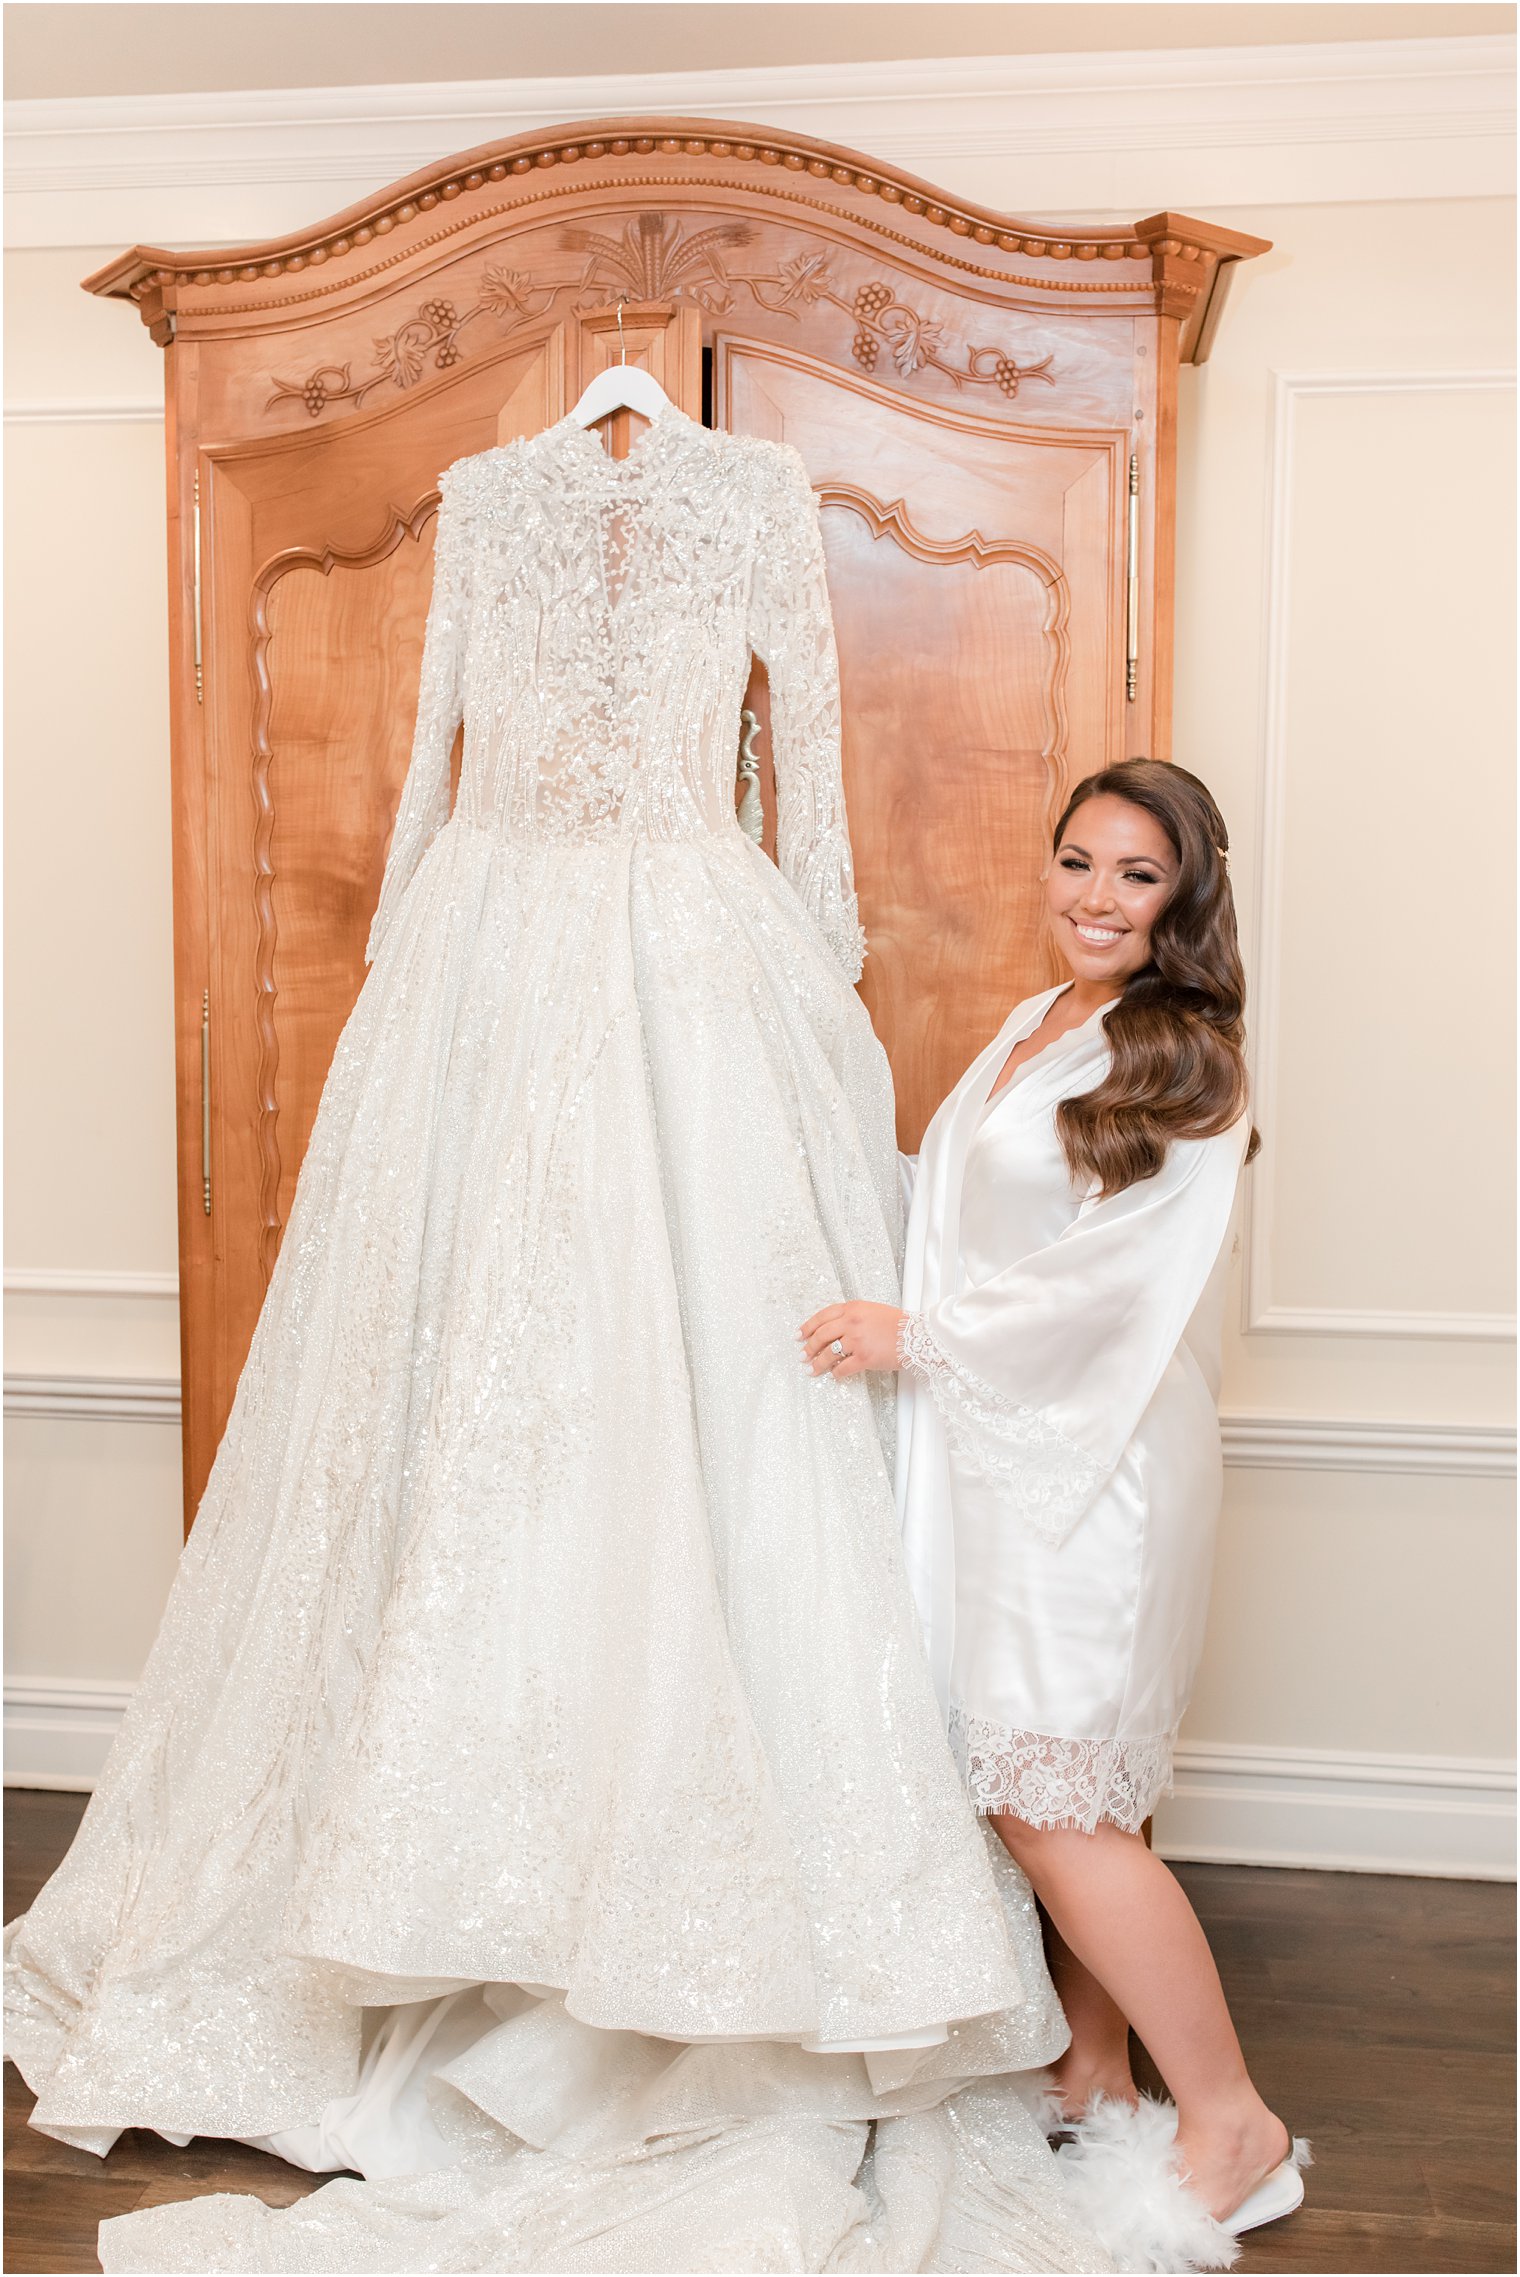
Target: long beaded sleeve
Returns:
[791, 630]
[424, 803]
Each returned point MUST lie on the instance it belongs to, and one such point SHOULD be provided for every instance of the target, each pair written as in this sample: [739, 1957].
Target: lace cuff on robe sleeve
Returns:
[1045, 1478]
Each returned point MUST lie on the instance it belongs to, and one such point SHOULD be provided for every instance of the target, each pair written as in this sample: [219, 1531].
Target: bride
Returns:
[536, 1800]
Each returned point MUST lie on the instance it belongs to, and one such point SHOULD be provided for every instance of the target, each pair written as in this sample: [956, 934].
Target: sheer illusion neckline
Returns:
[671, 421]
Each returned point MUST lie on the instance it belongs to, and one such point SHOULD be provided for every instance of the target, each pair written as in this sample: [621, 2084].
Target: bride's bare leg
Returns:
[1097, 2062]
[1124, 1916]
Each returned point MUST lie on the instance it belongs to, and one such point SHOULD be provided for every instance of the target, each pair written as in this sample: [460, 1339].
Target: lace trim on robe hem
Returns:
[1047, 1478]
[1048, 1781]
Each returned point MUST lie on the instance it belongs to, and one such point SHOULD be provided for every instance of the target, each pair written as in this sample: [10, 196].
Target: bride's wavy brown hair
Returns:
[1177, 1033]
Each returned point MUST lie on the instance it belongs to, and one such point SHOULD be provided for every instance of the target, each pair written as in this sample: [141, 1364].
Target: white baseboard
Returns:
[1352, 1813]
[58, 1730]
[1359, 1813]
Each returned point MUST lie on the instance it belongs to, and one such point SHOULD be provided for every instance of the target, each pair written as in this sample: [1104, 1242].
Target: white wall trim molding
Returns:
[1315, 122]
[1349, 1811]
[1327, 1320]
[58, 1730]
[1330, 1443]
[1260, 1312]
[1352, 1811]
[1251, 1442]
[87, 1281]
[93, 1399]
[84, 414]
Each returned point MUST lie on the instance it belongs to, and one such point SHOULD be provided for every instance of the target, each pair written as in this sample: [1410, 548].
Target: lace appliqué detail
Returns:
[1048, 1781]
[1047, 1478]
[592, 625]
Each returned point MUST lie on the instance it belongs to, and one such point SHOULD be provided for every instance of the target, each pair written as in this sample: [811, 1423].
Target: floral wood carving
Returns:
[430, 338]
[654, 259]
[881, 318]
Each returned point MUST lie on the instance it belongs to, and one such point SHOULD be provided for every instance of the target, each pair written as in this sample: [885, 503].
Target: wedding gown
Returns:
[536, 1798]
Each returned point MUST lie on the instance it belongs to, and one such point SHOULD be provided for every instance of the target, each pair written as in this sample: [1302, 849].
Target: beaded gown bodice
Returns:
[592, 624]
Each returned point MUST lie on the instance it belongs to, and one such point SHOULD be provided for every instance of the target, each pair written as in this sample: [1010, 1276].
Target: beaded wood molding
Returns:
[1175, 265]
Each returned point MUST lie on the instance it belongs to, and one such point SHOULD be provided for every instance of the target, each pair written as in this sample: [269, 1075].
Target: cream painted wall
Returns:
[89, 1035]
[1342, 681]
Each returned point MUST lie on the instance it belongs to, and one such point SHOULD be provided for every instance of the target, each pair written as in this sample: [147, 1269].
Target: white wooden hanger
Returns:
[621, 387]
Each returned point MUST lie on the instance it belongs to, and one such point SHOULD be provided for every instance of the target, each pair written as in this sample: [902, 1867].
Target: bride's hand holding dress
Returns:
[846, 1339]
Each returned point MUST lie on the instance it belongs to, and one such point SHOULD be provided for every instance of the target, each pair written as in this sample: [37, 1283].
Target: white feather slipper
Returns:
[1119, 2173]
[1046, 2101]
[1281, 2193]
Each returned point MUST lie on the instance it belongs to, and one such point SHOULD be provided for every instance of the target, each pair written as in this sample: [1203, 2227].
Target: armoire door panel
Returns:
[328, 762]
[321, 557]
[979, 623]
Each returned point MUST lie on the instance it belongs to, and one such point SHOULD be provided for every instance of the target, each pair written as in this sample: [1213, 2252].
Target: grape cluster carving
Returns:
[654, 259]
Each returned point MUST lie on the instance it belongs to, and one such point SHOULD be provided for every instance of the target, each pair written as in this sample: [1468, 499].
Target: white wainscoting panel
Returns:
[1356, 961]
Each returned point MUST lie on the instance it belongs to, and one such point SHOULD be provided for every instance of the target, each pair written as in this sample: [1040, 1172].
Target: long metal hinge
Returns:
[206, 1100]
[197, 585]
[1132, 595]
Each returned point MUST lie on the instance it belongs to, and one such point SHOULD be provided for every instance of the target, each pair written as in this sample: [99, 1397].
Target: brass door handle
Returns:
[751, 807]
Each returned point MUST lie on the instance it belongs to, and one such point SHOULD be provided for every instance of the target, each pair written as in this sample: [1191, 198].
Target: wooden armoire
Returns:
[988, 409]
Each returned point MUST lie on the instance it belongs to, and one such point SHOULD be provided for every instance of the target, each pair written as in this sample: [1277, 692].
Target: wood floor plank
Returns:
[50, 2225]
[1377, 2014]
[282, 2186]
[1371, 2244]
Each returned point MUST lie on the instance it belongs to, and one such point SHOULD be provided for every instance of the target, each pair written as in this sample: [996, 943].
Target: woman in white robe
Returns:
[1059, 1469]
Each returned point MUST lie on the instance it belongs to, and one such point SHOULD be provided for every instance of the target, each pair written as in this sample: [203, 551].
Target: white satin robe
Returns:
[1058, 1467]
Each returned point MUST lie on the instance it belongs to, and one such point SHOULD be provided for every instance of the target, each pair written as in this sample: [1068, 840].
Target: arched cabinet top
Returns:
[1164, 264]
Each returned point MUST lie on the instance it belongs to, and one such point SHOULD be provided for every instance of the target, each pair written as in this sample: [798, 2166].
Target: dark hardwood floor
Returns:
[1377, 2013]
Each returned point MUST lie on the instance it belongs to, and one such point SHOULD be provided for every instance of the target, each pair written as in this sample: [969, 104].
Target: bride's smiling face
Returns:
[1108, 882]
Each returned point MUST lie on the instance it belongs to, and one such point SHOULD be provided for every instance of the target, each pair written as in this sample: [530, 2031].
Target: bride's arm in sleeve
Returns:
[424, 804]
[791, 630]
[1042, 1373]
